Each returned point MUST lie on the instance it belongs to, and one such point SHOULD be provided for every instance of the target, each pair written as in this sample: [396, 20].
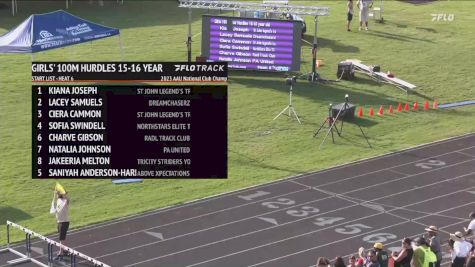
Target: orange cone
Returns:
[360, 112]
[435, 105]
[391, 111]
[406, 107]
[371, 111]
[426, 105]
[399, 107]
[381, 111]
[416, 106]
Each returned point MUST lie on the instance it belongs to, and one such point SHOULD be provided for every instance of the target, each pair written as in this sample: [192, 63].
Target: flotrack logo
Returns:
[45, 34]
[443, 17]
[199, 67]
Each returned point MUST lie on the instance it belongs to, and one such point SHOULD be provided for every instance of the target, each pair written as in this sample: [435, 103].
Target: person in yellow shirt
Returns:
[60, 208]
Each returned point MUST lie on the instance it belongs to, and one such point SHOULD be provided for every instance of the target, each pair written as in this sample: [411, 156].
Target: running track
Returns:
[289, 223]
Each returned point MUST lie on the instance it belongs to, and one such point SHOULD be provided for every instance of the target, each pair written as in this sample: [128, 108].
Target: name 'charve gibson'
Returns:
[73, 137]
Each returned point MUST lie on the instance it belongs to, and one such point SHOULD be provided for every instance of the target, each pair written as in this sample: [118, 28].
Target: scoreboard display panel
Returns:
[252, 44]
[109, 130]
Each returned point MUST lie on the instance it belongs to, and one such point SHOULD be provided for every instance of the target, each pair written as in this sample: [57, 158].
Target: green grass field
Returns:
[437, 56]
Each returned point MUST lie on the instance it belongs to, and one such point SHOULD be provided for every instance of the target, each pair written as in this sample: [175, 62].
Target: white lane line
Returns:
[466, 154]
[258, 215]
[362, 202]
[406, 177]
[398, 241]
[186, 234]
[398, 172]
[279, 181]
[338, 241]
[390, 168]
[295, 182]
[250, 233]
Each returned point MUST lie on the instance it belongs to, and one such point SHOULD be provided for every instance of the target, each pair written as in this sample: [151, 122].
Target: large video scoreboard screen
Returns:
[252, 44]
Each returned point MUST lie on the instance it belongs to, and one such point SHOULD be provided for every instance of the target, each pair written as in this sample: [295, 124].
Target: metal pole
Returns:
[314, 52]
[13, 7]
[8, 236]
[188, 42]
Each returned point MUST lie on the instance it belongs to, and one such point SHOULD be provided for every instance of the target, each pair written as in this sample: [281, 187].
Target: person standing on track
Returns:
[470, 229]
[381, 254]
[60, 207]
[404, 256]
[434, 243]
[372, 259]
[460, 250]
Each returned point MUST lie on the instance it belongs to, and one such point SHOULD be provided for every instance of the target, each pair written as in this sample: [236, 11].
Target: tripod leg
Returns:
[295, 113]
[341, 128]
[282, 112]
[336, 128]
[367, 141]
[321, 127]
[333, 138]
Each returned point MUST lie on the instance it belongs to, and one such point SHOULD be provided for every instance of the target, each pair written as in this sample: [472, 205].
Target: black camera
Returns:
[291, 81]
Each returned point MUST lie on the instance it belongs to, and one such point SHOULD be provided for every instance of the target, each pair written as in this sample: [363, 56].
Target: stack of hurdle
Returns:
[51, 244]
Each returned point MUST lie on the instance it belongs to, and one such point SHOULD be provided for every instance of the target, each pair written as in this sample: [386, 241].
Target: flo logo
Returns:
[443, 17]
[45, 34]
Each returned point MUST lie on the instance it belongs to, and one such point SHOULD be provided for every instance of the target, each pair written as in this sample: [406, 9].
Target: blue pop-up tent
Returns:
[57, 29]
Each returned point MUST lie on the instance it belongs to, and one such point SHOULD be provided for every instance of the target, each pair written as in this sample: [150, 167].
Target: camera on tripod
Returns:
[291, 81]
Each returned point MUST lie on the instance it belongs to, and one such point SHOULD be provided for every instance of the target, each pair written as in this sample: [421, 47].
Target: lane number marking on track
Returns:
[322, 221]
[279, 203]
[379, 237]
[253, 196]
[430, 164]
[303, 212]
[352, 229]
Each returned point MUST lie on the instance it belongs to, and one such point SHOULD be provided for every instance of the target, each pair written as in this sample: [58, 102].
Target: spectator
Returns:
[423, 255]
[461, 250]
[60, 207]
[361, 261]
[339, 262]
[471, 259]
[471, 226]
[404, 256]
[349, 14]
[381, 254]
[352, 261]
[372, 259]
[434, 243]
[323, 262]
[364, 6]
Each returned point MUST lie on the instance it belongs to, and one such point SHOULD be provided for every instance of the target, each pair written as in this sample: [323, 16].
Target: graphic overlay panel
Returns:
[129, 131]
